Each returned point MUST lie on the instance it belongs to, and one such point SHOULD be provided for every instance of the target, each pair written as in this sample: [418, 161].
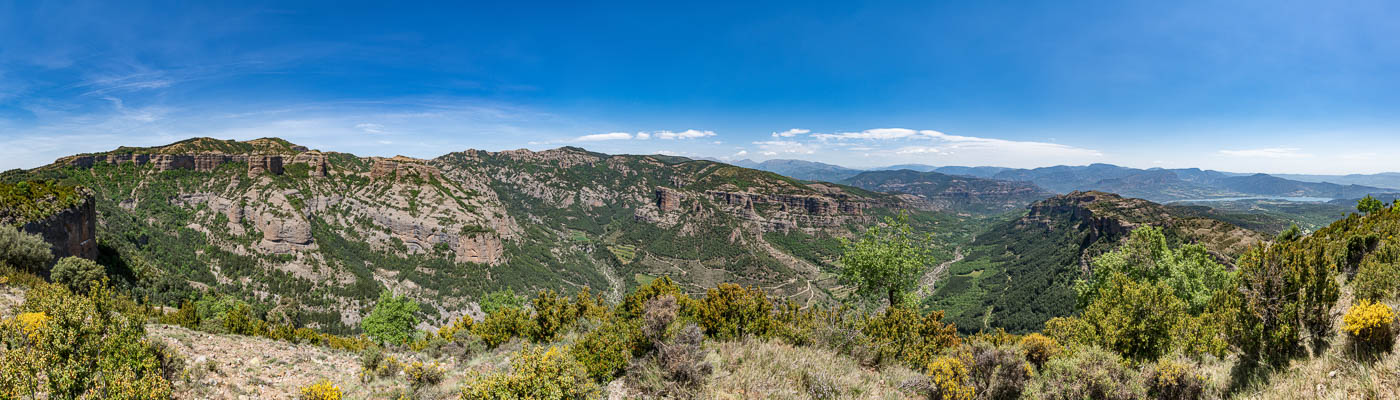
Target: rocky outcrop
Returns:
[563, 157]
[71, 232]
[264, 164]
[400, 167]
[482, 248]
[668, 199]
[316, 160]
[203, 162]
[792, 203]
[168, 162]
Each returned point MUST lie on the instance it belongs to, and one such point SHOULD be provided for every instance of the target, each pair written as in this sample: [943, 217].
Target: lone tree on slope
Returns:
[886, 260]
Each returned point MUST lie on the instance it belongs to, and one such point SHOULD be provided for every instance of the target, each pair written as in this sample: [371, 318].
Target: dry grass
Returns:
[233, 366]
[759, 369]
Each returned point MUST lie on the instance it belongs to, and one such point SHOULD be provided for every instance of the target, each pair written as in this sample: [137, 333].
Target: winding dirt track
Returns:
[930, 278]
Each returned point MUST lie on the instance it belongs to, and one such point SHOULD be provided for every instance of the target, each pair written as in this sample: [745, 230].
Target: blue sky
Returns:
[1269, 86]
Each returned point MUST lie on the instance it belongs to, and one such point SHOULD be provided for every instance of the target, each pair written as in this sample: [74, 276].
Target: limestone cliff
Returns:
[71, 232]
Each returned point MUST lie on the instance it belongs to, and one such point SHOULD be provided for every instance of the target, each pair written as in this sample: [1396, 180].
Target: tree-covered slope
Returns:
[1020, 272]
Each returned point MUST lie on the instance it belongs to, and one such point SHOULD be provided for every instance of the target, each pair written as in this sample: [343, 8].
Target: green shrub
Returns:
[422, 375]
[553, 315]
[1090, 373]
[590, 306]
[1136, 320]
[1072, 332]
[240, 321]
[633, 303]
[607, 350]
[23, 251]
[535, 373]
[500, 299]
[1202, 334]
[393, 320]
[1282, 291]
[502, 326]
[186, 316]
[64, 345]
[1377, 280]
[900, 335]
[730, 311]
[794, 325]
[1169, 379]
[77, 273]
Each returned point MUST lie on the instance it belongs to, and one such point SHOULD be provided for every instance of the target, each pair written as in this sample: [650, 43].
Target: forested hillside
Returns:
[284, 227]
[1020, 272]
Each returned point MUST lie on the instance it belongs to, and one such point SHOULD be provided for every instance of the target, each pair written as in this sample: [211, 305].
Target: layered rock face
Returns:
[668, 199]
[320, 167]
[808, 204]
[400, 167]
[204, 162]
[71, 232]
[262, 164]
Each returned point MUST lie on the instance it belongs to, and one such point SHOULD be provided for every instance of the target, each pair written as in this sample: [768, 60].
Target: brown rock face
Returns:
[400, 166]
[212, 161]
[316, 160]
[807, 204]
[262, 164]
[71, 232]
[480, 248]
[168, 162]
[668, 199]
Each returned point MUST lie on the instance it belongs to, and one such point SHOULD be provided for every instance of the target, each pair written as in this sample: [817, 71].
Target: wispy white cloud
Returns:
[685, 134]
[1274, 152]
[370, 127]
[791, 132]
[876, 134]
[604, 136]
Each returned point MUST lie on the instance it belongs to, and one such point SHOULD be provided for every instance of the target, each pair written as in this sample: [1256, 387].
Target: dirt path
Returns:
[930, 278]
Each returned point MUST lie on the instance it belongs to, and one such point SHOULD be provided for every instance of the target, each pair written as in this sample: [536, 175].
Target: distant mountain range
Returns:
[1156, 184]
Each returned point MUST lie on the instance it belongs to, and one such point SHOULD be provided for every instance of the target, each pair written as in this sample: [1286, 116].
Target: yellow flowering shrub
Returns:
[421, 375]
[323, 390]
[535, 373]
[32, 323]
[948, 379]
[461, 325]
[1039, 348]
[1171, 379]
[1369, 325]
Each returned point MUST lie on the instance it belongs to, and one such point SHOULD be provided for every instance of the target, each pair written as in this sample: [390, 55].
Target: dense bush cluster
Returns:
[23, 251]
[69, 345]
[535, 373]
